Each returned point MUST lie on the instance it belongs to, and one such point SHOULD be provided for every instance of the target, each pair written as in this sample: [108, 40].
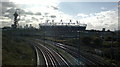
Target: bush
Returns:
[87, 40]
[98, 41]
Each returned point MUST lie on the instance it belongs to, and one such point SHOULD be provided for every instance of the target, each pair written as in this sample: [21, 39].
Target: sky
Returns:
[96, 15]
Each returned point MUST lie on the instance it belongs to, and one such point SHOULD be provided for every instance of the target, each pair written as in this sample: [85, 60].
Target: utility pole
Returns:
[112, 33]
[79, 40]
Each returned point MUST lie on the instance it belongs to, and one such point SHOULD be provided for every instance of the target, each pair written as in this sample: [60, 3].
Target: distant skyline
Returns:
[96, 15]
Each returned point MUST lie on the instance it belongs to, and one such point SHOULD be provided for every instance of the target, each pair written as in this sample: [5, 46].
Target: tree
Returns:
[98, 41]
[87, 40]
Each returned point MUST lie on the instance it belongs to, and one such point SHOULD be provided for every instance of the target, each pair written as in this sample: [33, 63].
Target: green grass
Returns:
[15, 51]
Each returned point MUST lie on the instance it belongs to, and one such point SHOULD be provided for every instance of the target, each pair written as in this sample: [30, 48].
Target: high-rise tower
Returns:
[16, 19]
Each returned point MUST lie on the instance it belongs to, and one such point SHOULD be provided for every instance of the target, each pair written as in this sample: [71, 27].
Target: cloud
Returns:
[5, 21]
[55, 8]
[103, 8]
[5, 6]
[35, 12]
[37, 2]
[82, 15]
[103, 19]
[53, 16]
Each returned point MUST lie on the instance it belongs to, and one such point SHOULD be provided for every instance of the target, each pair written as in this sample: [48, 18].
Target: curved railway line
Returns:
[88, 59]
[51, 57]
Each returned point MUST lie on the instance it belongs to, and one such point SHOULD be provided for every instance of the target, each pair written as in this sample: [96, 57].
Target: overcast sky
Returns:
[96, 15]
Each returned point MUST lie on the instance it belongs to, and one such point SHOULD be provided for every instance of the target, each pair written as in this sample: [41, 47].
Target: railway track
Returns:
[58, 61]
[88, 59]
[51, 57]
[75, 54]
